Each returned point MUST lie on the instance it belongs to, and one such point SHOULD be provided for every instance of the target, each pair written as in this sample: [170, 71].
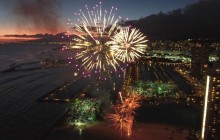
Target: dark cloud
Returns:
[38, 15]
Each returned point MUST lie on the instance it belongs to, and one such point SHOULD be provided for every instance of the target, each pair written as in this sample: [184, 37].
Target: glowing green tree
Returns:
[83, 111]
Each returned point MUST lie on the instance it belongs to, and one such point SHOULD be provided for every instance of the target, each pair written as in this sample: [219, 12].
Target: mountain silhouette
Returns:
[197, 21]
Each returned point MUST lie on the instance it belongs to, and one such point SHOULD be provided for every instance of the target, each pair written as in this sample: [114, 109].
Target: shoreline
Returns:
[100, 130]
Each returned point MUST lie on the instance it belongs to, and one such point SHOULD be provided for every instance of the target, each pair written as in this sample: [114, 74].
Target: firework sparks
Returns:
[102, 41]
[128, 44]
[123, 117]
[122, 121]
[95, 29]
[130, 104]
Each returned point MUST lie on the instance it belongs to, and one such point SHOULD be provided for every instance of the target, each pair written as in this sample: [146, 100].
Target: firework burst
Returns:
[103, 43]
[123, 117]
[95, 29]
[129, 104]
[128, 44]
[122, 121]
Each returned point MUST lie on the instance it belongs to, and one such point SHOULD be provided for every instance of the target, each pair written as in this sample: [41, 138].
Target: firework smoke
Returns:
[38, 15]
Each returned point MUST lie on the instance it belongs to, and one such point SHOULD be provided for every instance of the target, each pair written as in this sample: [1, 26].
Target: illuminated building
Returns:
[211, 110]
[199, 59]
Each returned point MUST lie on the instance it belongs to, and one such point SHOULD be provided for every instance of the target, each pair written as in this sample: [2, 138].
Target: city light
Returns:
[75, 74]
[205, 109]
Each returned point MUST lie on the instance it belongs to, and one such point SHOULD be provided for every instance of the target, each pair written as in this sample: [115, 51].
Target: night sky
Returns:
[31, 16]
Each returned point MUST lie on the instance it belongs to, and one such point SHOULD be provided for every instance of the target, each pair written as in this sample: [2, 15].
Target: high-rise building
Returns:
[199, 59]
[211, 111]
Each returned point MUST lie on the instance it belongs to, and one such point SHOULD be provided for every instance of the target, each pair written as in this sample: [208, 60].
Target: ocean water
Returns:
[22, 115]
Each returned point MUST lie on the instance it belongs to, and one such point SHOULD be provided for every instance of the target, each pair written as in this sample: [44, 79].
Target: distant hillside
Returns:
[196, 21]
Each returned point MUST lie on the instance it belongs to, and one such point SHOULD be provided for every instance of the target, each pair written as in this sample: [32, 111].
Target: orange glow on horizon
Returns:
[16, 39]
[28, 31]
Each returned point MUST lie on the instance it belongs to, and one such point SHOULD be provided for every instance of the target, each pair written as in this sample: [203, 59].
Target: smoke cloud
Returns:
[38, 16]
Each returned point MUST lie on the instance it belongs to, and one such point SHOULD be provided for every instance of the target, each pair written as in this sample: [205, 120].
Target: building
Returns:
[199, 59]
[211, 110]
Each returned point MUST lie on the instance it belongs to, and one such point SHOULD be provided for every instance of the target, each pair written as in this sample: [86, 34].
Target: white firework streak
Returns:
[128, 44]
[93, 33]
